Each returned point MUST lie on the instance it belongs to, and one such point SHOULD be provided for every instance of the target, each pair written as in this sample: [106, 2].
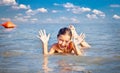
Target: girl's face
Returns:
[63, 41]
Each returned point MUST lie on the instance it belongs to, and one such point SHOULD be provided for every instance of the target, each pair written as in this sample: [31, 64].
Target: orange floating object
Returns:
[8, 24]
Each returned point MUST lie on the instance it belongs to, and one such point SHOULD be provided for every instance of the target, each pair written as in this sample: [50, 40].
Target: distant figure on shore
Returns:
[64, 44]
[79, 39]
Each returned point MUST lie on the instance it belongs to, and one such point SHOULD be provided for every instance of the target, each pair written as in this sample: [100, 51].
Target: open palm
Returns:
[79, 38]
[43, 36]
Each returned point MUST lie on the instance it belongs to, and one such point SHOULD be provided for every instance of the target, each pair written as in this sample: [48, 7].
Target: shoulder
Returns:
[55, 45]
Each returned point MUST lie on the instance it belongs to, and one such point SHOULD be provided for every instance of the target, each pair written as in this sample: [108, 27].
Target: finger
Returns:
[81, 34]
[37, 36]
[44, 32]
[40, 33]
[48, 35]
[84, 35]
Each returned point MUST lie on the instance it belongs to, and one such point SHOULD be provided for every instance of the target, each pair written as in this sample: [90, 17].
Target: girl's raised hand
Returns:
[43, 36]
[79, 39]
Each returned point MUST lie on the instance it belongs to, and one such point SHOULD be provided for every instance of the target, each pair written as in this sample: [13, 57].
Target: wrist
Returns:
[45, 43]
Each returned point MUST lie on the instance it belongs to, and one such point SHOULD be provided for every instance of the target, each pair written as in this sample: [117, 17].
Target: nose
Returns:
[63, 43]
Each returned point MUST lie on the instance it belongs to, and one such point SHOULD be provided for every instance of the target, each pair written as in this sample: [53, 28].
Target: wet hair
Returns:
[64, 31]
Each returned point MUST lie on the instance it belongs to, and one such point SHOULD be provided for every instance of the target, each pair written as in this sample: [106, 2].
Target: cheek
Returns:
[59, 42]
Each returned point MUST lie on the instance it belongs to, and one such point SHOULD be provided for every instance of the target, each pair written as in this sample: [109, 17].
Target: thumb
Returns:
[48, 36]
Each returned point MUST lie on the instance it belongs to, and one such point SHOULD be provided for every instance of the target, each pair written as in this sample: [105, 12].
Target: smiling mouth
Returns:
[62, 47]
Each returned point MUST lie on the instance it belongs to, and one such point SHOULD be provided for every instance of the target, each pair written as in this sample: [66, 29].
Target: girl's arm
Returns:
[84, 45]
[44, 38]
[77, 41]
[77, 50]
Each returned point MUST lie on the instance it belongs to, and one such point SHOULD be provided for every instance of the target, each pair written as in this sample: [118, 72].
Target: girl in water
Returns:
[64, 44]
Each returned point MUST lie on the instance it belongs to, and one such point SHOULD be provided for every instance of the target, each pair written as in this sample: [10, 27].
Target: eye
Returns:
[66, 41]
[61, 40]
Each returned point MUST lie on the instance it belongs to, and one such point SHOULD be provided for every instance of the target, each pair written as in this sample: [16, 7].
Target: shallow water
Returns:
[21, 52]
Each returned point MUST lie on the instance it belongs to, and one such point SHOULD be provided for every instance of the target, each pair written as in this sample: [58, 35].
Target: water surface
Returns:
[21, 51]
